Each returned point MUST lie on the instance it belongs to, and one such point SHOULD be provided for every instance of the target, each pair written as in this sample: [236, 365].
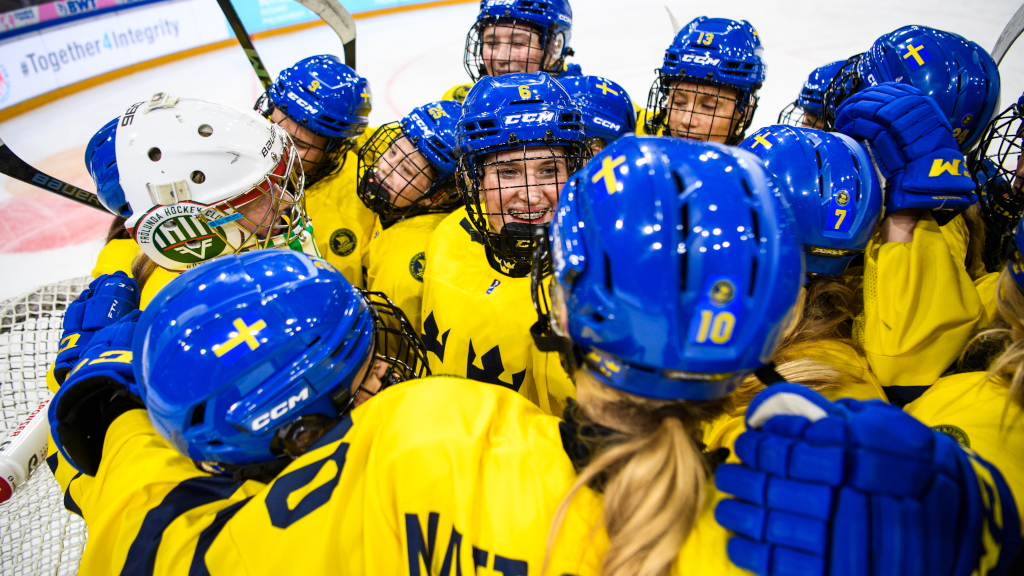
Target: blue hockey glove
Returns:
[100, 388]
[104, 302]
[913, 145]
[857, 488]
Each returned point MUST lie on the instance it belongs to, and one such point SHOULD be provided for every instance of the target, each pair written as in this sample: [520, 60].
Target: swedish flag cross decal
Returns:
[231, 343]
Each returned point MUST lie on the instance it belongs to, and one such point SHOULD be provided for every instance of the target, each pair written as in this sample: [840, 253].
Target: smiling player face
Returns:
[404, 173]
[522, 185]
[702, 112]
[509, 48]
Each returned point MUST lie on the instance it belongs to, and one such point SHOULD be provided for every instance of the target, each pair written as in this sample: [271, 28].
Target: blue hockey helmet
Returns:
[830, 184]
[810, 99]
[711, 51]
[676, 267]
[101, 161]
[551, 19]
[608, 111]
[327, 97]
[246, 360]
[515, 112]
[397, 184]
[957, 73]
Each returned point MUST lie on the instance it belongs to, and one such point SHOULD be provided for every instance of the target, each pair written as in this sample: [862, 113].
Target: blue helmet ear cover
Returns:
[829, 182]
[324, 95]
[237, 348]
[679, 266]
[608, 111]
[101, 162]
[431, 129]
[717, 51]
[812, 94]
[957, 73]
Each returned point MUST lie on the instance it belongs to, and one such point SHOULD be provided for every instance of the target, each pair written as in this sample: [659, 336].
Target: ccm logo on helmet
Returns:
[281, 409]
[607, 124]
[702, 59]
[532, 118]
[302, 103]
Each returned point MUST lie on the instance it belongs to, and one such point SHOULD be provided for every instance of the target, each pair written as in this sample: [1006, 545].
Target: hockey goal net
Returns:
[37, 535]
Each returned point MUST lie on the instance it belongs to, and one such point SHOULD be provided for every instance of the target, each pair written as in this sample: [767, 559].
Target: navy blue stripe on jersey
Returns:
[903, 395]
[69, 502]
[206, 538]
[51, 461]
[186, 496]
[334, 434]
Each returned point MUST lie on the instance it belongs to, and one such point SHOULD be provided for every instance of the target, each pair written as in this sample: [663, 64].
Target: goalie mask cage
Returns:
[37, 535]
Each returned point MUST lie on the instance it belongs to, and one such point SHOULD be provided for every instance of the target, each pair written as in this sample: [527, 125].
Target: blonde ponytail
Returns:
[1007, 336]
[652, 472]
[142, 268]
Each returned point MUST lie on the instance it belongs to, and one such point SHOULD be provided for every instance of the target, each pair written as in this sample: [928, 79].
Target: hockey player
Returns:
[957, 73]
[517, 36]
[325, 106]
[406, 176]
[608, 111]
[806, 111]
[160, 166]
[999, 171]
[444, 476]
[520, 136]
[707, 87]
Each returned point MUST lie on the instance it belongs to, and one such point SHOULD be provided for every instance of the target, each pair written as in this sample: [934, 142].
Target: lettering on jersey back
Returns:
[492, 369]
[421, 551]
[430, 334]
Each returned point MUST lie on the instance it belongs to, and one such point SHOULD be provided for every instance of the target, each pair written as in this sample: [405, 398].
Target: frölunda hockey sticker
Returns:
[179, 233]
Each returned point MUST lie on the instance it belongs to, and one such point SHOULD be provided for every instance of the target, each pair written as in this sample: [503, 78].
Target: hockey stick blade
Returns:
[18, 169]
[335, 15]
[243, 38]
[1009, 35]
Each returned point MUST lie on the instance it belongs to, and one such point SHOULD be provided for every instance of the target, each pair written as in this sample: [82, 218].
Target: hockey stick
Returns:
[335, 15]
[675, 23]
[1009, 35]
[245, 41]
[18, 169]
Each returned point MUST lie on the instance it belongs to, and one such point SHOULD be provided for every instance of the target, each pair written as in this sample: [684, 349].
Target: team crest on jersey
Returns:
[343, 242]
[955, 433]
[842, 197]
[180, 233]
[417, 265]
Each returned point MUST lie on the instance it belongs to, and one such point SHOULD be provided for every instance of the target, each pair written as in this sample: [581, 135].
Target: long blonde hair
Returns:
[142, 268]
[825, 311]
[1006, 337]
[652, 473]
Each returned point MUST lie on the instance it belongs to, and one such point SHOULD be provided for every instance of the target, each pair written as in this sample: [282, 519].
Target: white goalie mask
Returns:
[204, 180]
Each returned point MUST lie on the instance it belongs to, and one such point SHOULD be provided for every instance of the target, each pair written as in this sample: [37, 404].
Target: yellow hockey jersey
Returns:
[343, 224]
[920, 309]
[396, 260]
[439, 476]
[980, 415]
[476, 321]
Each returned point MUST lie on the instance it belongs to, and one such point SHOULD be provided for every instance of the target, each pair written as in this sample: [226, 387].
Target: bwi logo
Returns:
[4, 85]
[417, 265]
[842, 197]
[343, 242]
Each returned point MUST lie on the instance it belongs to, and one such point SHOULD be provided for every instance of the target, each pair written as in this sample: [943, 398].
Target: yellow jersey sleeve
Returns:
[150, 506]
[920, 310]
[116, 255]
[979, 414]
[476, 321]
[342, 224]
[396, 260]
[457, 93]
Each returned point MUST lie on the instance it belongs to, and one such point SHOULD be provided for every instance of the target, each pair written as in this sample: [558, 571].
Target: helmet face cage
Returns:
[396, 180]
[495, 47]
[844, 84]
[697, 109]
[511, 190]
[271, 214]
[796, 115]
[332, 154]
[396, 344]
[1000, 173]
